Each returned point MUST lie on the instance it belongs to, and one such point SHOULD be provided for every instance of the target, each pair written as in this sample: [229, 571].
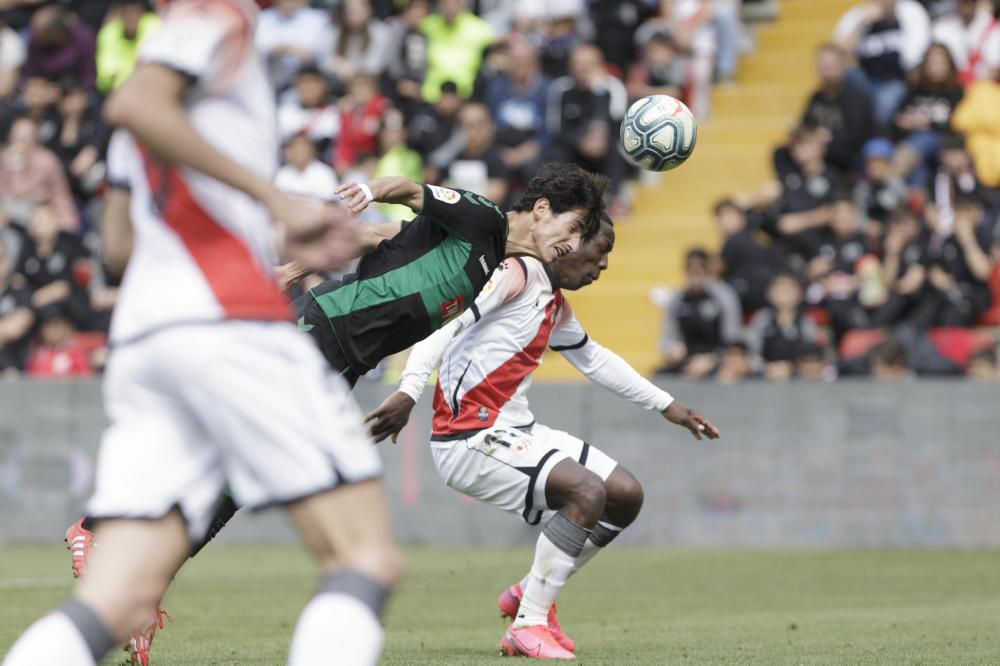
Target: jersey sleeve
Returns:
[506, 284]
[206, 40]
[602, 366]
[119, 160]
[467, 215]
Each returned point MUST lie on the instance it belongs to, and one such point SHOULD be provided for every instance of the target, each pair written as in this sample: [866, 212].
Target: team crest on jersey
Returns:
[484, 414]
[452, 308]
[445, 194]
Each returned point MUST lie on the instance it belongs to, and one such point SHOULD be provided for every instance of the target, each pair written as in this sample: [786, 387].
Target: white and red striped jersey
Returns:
[203, 251]
[486, 357]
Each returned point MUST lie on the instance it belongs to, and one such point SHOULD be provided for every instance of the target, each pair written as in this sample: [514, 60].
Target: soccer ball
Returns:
[658, 133]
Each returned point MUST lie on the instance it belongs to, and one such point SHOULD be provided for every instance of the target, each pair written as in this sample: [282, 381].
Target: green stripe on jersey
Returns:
[437, 277]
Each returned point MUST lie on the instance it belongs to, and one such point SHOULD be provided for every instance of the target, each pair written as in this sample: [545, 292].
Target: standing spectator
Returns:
[302, 173]
[747, 266]
[701, 320]
[778, 332]
[925, 114]
[16, 320]
[396, 159]
[118, 42]
[880, 192]
[456, 39]
[477, 167]
[59, 354]
[517, 99]
[360, 113]
[12, 55]
[61, 46]
[30, 175]
[82, 139]
[660, 70]
[584, 114]
[308, 109]
[358, 42]
[889, 38]
[729, 36]
[289, 35]
[408, 65]
[972, 36]
[841, 107]
[691, 21]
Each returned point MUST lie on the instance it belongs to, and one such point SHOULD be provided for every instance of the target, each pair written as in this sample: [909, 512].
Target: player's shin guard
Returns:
[71, 635]
[342, 623]
[559, 544]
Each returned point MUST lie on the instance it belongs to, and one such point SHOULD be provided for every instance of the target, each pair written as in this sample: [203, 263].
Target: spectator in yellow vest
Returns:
[455, 41]
[118, 43]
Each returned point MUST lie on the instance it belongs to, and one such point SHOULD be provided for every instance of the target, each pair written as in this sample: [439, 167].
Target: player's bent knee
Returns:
[590, 492]
[625, 496]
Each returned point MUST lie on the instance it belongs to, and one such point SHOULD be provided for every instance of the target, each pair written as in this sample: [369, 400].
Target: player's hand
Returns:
[687, 417]
[329, 246]
[389, 418]
[354, 197]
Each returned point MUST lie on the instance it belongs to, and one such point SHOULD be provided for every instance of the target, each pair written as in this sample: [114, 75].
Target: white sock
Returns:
[340, 625]
[549, 571]
[53, 639]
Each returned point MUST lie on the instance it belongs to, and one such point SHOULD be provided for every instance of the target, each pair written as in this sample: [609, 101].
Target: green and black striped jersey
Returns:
[414, 283]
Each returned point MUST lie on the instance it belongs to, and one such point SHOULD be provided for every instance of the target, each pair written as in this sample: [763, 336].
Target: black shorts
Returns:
[313, 321]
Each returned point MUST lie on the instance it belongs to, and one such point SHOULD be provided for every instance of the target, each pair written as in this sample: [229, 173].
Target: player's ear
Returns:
[541, 207]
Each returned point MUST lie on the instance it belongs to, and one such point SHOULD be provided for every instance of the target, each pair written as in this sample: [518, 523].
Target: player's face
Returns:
[585, 266]
[556, 234]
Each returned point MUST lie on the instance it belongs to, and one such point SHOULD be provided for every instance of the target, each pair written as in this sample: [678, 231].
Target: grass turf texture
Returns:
[237, 605]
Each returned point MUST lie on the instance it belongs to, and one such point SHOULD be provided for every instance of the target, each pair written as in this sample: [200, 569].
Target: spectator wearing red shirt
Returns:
[360, 117]
[59, 355]
[61, 46]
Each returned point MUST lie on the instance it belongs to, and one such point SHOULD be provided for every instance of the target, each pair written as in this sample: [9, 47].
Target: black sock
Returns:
[223, 514]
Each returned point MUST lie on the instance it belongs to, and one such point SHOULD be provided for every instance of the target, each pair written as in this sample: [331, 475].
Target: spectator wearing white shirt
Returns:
[289, 35]
[972, 35]
[888, 38]
[303, 173]
[308, 109]
[12, 55]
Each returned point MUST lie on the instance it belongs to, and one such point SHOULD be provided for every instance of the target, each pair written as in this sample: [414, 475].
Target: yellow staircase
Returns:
[733, 155]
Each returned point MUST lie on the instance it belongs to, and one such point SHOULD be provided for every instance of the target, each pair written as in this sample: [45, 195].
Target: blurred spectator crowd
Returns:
[876, 248]
[473, 94]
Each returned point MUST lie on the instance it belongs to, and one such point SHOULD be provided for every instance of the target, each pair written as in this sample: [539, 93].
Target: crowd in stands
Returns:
[471, 93]
[876, 249]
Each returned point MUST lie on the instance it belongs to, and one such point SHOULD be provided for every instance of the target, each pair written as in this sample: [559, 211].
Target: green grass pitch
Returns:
[237, 605]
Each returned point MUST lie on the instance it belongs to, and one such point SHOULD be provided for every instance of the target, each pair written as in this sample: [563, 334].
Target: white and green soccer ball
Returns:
[658, 133]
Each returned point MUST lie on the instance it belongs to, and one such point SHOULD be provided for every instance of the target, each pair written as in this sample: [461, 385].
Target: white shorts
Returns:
[509, 468]
[248, 405]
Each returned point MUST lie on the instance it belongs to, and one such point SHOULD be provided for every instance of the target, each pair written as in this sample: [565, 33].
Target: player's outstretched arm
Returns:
[394, 190]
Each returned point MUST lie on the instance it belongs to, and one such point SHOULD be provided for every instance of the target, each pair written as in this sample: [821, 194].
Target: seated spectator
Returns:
[700, 321]
[517, 100]
[433, 125]
[39, 100]
[735, 365]
[888, 38]
[982, 366]
[12, 55]
[747, 266]
[360, 111]
[660, 70]
[841, 244]
[977, 118]
[49, 263]
[455, 41]
[777, 333]
[617, 21]
[308, 109]
[357, 42]
[845, 278]
[904, 267]
[890, 362]
[408, 65]
[496, 63]
[808, 186]
[811, 365]
[477, 167]
[559, 31]
[925, 114]
[31, 174]
[59, 355]
[396, 159]
[16, 320]
[118, 42]
[880, 192]
[290, 35]
[82, 139]
[955, 176]
[973, 39]
[302, 173]
[840, 107]
[61, 46]
[584, 114]
[958, 269]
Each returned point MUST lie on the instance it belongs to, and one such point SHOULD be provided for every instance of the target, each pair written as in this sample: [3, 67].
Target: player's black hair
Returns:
[567, 187]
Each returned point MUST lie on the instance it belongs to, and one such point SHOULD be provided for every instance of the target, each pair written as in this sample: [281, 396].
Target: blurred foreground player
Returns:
[210, 384]
[486, 443]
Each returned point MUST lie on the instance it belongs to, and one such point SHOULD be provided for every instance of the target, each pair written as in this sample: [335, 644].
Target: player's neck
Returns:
[519, 238]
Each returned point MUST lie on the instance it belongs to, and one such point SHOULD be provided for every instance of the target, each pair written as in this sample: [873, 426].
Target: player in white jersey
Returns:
[486, 443]
[210, 384]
